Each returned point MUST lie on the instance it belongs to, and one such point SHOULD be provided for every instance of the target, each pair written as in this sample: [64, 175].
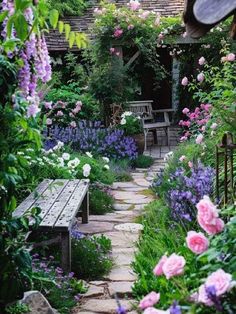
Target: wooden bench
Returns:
[60, 202]
[150, 117]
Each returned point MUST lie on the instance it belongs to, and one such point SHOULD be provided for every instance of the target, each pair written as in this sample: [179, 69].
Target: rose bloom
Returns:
[149, 300]
[199, 139]
[174, 266]
[230, 57]
[190, 164]
[184, 81]
[158, 271]
[112, 50]
[201, 61]
[49, 121]
[185, 110]
[60, 113]
[118, 32]
[214, 126]
[200, 77]
[130, 26]
[152, 310]
[73, 124]
[203, 296]
[134, 5]
[221, 280]
[161, 36]
[182, 158]
[197, 242]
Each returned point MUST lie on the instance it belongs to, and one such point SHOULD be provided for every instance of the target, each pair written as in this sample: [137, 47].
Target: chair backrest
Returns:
[141, 108]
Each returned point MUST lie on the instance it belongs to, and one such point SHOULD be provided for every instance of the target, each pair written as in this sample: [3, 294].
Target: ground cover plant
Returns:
[143, 161]
[101, 201]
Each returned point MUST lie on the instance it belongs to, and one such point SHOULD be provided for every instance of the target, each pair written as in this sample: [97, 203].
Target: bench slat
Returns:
[65, 220]
[51, 217]
[46, 200]
[31, 199]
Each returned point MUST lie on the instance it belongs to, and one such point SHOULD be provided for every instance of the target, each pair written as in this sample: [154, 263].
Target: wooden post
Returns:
[85, 209]
[66, 251]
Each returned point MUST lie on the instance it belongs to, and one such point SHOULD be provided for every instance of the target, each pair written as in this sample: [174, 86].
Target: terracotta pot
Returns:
[139, 139]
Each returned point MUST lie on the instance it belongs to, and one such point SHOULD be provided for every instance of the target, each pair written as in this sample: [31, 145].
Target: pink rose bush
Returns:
[158, 270]
[197, 242]
[149, 300]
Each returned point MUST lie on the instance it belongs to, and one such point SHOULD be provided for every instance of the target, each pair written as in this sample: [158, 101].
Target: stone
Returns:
[122, 239]
[121, 185]
[121, 195]
[141, 199]
[142, 182]
[129, 227]
[139, 207]
[97, 282]
[136, 189]
[37, 303]
[122, 259]
[107, 306]
[111, 217]
[94, 291]
[119, 206]
[123, 273]
[95, 227]
[120, 288]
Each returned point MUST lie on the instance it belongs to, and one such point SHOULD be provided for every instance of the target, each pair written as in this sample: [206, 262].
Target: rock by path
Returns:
[121, 227]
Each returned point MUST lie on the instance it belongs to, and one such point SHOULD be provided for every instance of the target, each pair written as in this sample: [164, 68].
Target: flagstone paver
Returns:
[120, 227]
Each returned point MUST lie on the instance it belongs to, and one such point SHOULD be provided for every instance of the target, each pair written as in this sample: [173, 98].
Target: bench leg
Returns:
[66, 251]
[145, 139]
[85, 209]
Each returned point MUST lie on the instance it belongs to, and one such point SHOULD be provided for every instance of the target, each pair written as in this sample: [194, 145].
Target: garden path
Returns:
[121, 227]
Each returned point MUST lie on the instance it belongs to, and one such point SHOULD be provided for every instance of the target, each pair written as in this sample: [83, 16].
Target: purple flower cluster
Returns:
[108, 142]
[189, 190]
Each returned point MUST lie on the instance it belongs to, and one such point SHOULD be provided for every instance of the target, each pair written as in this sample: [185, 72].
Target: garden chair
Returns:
[152, 120]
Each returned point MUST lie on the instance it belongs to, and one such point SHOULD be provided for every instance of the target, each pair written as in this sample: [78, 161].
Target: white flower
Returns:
[86, 170]
[123, 121]
[126, 114]
[168, 156]
[106, 159]
[66, 156]
[89, 154]
[61, 161]
[20, 153]
[73, 163]
[47, 152]
[106, 167]
[60, 144]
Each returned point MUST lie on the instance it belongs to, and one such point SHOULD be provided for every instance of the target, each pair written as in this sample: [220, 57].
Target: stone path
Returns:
[121, 228]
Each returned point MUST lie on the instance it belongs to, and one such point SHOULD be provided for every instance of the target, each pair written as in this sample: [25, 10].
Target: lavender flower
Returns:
[175, 308]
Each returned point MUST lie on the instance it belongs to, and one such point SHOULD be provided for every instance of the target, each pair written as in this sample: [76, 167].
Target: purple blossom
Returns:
[175, 308]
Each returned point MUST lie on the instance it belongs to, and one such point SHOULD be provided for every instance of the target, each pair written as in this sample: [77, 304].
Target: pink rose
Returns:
[49, 121]
[48, 104]
[73, 124]
[174, 266]
[118, 32]
[144, 15]
[190, 164]
[230, 57]
[185, 110]
[197, 242]
[203, 296]
[158, 271]
[134, 5]
[199, 139]
[149, 300]
[184, 34]
[200, 77]
[184, 81]
[183, 138]
[60, 113]
[201, 61]
[221, 280]
[130, 26]
[161, 36]
[112, 50]
[214, 126]
[152, 310]
[182, 158]
[207, 211]
[212, 229]
[224, 59]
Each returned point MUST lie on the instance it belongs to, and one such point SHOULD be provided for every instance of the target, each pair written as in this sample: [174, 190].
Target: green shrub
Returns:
[121, 170]
[143, 161]
[100, 202]
[90, 259]
[17, 308]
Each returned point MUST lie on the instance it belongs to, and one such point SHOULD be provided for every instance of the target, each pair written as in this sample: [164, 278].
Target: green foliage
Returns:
[17, 308]
[90, 259]
[15, 260]
[69, 7]
[130, 124]
[100, 202]
[143, 161]
[121, 170]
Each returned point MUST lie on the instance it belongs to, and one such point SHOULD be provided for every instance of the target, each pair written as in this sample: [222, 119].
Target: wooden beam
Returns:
[132, 59]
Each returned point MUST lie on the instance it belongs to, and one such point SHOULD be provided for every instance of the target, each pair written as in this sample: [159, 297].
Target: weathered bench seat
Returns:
[60, 202]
